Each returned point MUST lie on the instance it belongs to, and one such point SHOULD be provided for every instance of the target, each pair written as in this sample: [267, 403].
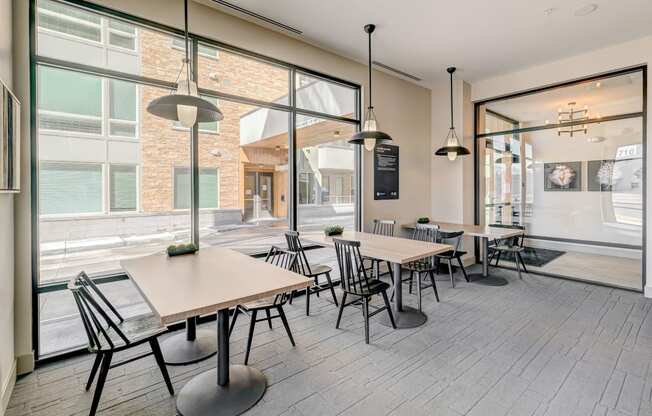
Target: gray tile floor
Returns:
[539, 346]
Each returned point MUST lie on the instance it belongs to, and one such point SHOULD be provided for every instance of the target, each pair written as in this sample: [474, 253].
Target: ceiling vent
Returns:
[397, 71]
[257, 16]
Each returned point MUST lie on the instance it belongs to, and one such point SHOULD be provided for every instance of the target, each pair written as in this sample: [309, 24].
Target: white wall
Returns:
[7, 362]
[608, 59]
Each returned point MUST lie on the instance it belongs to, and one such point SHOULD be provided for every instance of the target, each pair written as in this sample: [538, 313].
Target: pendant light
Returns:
[185, 105]
[370, 135]
[452, 147]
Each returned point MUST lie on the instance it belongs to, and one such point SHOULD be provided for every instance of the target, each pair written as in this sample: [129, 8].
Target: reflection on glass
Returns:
[326, 169]
[316, 94]
[594, 99]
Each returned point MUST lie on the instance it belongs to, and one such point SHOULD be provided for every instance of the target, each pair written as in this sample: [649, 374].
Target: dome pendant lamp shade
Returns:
[185, 105]
[370, 135]
[452, 146]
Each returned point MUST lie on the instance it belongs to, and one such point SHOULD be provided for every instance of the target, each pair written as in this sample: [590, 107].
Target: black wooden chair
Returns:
[424, 267]
[454, 239]
[281, 258]
[513, 245]
[109, 333]
[356, 283]
[312, 272]
[386, 228]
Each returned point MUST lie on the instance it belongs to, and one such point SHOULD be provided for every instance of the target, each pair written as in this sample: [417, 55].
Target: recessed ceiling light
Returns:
[586, 9]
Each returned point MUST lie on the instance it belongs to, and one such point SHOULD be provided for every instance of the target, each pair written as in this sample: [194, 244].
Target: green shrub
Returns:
[423, 220]
[333, 230]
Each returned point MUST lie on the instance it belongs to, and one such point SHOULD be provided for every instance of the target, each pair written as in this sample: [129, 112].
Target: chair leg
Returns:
[235, 316]
[459, 261]
[365, 314]
[330, 285]
[291, 297]
[411, 281]
[316, 284]
[101, 379]
[158, 356]
[391, 272]
[281, 313]
[269, 319]
[522, 262]
[96, 365]
[308, 301]
[389, 309]
[339, 314]
[252, 325]
[518, 267]
[418, 291]
[434, 286]
[498, 258]
[450, 273]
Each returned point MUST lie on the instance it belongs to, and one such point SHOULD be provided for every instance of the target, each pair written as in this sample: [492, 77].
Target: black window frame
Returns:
[290, 108]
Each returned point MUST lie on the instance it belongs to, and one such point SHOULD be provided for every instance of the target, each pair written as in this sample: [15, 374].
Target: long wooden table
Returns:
[397, 251]
[213, 279]
[485, 233]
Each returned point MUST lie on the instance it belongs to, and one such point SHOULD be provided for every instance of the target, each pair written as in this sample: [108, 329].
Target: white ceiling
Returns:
[483, 38]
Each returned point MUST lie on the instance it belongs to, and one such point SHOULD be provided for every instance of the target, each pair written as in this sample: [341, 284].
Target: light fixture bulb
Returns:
[187, 115]
[370, 125]
[369, 144]
[451, 156]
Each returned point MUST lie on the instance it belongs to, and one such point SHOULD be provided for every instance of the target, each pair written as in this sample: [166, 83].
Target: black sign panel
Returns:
[385, 172]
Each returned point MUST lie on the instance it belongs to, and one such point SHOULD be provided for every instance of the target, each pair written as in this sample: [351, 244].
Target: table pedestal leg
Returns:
[404, 316]
[485, 278]
[227, 390]
[189, 347]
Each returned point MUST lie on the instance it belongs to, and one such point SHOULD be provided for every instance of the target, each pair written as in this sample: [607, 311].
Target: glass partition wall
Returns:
[114, 182]
[568, 163]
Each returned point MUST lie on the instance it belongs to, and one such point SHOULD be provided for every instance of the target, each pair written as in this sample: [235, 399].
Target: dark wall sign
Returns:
[385, 172]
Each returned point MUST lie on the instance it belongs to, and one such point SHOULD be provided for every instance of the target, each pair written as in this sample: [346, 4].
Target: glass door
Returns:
[567, 164]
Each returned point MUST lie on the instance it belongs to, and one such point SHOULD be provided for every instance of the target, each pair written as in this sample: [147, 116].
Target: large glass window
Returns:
[567, 163]
[115, 182]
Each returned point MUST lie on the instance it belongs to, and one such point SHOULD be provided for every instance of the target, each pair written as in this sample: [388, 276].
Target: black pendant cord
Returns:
[451, 76]
[185, 19]
[370, 102]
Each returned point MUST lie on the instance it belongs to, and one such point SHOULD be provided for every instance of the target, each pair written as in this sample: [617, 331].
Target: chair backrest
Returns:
[294, 245]
[517, 240]
[98, 315]
[384, 227]
[285, 259]
[352, 272]
[453, 238]
[425, 232]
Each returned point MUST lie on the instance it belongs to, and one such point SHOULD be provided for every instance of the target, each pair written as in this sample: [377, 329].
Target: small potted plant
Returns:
[332, 230]
[180, 249]
[423, 220]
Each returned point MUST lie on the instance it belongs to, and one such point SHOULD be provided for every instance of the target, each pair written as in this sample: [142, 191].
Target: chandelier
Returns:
[572, 117]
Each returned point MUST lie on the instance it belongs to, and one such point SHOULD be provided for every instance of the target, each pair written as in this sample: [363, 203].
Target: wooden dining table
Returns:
[213, 279]
[397, 251]
[485, 233]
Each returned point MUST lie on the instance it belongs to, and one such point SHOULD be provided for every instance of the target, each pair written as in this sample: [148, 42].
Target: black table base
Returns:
[190, 346]
[227, 390]
[487, 280]
[406, 318]
[201, 396]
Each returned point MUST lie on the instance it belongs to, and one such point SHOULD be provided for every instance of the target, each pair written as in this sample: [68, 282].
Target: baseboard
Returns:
[648, 291]
[25, 363]
[7, 389]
